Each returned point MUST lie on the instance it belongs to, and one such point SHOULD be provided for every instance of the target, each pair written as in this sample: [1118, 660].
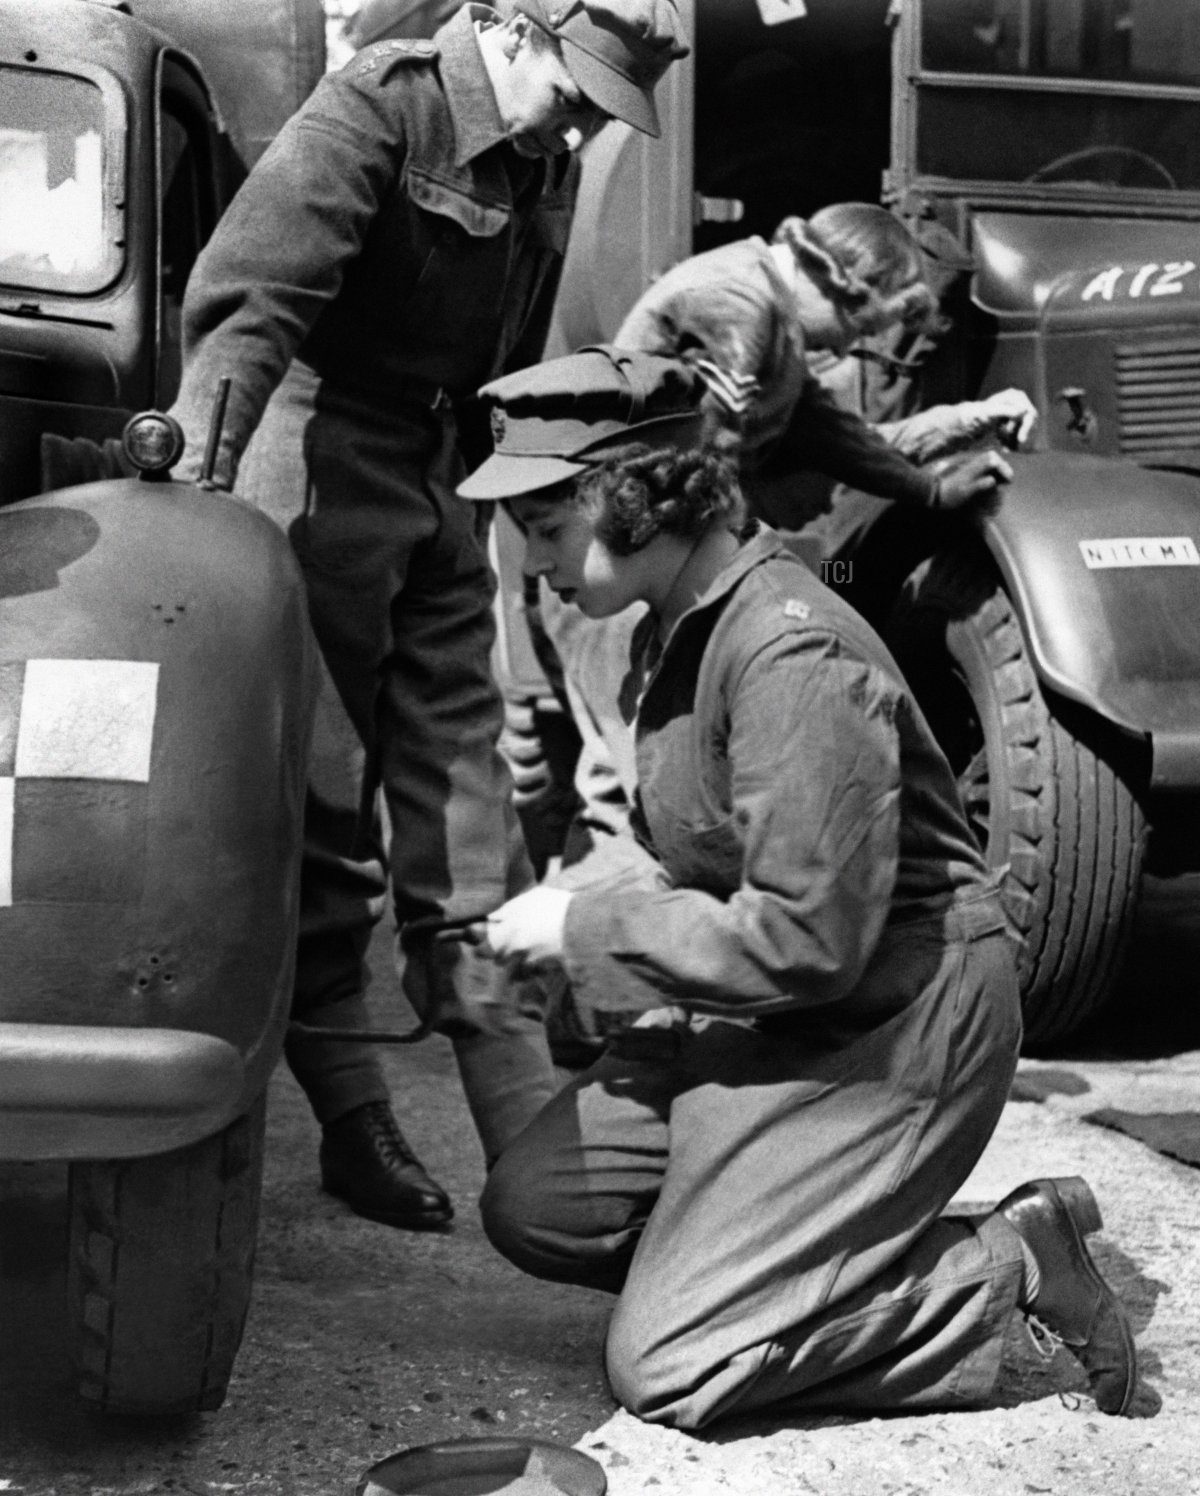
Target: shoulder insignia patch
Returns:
[382, 57]
[794, 608]
[412, 46]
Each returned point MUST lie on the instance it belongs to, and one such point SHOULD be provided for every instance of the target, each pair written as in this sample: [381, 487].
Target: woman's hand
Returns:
[973, 478]
[528, 928]
[1011, 415]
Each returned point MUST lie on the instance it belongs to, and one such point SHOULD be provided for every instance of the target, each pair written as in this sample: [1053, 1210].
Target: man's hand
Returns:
[525, 755]
[1011, 416]
[528, 929]
[973, 478]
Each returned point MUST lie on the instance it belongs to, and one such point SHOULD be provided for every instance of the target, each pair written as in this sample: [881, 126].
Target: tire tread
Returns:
[1076, 833]
[161, 1265]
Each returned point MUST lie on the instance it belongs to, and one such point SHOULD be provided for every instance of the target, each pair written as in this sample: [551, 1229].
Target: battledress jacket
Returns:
[732, 306]
[793, 797]
[388, 254]
[389, 239]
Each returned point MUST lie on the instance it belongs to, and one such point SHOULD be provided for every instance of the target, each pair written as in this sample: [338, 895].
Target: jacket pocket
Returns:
[433, 195]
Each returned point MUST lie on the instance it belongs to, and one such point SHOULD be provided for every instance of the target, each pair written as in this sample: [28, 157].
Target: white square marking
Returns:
[775, 12]
[7, 789]
[87, 719]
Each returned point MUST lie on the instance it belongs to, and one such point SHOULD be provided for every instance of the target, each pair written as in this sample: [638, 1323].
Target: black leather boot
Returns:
[1074, 1306]
[366, 1161]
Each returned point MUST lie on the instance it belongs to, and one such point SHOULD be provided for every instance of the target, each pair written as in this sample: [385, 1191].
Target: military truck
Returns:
[156, 674]
[1047, 153]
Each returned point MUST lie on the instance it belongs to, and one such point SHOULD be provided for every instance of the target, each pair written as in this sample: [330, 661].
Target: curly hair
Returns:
[639, 492]
[864, 258]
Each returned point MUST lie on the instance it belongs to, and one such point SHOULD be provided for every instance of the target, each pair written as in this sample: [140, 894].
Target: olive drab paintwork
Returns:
[1106, 575]
[157, 674]
[146, 865]
[155, 690]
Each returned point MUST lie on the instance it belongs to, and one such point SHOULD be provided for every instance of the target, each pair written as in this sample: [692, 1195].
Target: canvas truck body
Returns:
[156, 678]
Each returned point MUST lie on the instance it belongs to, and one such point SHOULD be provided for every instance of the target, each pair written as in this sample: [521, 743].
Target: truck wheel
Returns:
[1045, 784]
[160, 1268]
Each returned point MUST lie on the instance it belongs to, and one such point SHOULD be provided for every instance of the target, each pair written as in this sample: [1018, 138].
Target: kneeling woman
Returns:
[759, 1166]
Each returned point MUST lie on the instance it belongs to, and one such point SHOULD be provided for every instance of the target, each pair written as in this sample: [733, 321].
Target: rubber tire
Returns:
[1046, 785]
[160, 1270]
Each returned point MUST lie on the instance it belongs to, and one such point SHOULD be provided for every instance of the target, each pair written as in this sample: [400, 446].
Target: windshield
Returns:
[1090, 91]
[52, 182]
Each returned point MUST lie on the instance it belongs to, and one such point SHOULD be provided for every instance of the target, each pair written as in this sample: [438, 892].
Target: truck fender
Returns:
[1102, 560]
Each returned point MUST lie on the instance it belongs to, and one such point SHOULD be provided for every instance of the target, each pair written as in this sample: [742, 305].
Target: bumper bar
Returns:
[68, 1091]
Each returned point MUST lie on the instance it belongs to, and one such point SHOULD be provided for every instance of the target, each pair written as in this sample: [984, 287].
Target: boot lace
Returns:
[385, 1134]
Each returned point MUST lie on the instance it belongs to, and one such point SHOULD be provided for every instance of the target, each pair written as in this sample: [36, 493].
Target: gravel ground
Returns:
[363, 1341]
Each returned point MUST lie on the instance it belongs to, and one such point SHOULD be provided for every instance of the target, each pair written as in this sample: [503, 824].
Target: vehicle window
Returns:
[52, 230]
[1139, 41]
[1088, 92]
[1020, 136]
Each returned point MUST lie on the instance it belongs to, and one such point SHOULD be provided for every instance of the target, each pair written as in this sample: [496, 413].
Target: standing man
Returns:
[397, 246]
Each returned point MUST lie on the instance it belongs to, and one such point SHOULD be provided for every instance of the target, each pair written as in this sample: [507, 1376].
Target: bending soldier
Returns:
[397, 245]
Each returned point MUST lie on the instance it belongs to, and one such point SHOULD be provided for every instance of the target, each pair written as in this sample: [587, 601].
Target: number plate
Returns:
[1140, 550]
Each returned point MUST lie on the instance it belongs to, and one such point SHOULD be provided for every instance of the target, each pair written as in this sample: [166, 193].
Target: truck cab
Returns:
[122, 137]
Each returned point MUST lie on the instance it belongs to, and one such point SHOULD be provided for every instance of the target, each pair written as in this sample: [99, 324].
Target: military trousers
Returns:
[767, 1198]
[400, 593]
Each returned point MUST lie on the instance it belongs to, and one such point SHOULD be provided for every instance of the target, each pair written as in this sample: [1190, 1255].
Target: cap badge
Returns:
[499, 425]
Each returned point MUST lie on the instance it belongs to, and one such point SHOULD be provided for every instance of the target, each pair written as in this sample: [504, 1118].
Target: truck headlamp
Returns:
[153, 442]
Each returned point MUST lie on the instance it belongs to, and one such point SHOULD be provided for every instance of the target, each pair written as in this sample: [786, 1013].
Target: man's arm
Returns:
[277, 259]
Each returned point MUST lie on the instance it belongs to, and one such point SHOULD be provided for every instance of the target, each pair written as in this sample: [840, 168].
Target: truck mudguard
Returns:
[156, 674]
[1102, 559]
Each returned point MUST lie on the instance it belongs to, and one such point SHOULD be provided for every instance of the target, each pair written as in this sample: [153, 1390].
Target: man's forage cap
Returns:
[555, 420]
[616, 50]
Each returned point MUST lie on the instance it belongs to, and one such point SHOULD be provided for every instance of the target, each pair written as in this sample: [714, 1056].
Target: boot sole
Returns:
[401, 1221]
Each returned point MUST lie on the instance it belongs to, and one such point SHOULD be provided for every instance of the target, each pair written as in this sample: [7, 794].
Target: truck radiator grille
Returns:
[1158, 397]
